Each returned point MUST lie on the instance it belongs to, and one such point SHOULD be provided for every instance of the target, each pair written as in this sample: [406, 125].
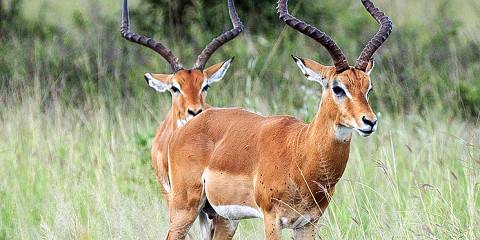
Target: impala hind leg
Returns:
[218, 228]
[224, 228]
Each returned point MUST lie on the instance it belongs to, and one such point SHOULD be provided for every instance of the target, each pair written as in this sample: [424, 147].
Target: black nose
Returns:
[369, 122]
[193, 113]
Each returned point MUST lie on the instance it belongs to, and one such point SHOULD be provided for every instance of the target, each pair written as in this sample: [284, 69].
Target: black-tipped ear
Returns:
[314, 71]
[298, 59]
[159, 82]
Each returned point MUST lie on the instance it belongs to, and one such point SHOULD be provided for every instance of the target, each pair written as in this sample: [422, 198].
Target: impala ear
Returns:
[370, 66]
[216, 72]
[159, 82]
[314, 71]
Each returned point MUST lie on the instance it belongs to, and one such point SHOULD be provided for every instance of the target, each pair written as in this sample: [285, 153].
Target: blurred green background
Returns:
[73, 47]
[77, 117]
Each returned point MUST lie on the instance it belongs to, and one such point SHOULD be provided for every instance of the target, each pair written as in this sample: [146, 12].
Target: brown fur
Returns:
[278, 165]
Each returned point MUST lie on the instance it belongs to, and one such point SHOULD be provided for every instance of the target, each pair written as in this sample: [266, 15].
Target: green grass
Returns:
[84, 173]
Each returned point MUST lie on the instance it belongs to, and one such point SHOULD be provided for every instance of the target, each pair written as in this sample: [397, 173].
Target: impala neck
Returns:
[173, 116]
[327, 146]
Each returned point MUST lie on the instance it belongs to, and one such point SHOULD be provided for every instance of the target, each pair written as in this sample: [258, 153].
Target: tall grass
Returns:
[76, 119]
[84, 173]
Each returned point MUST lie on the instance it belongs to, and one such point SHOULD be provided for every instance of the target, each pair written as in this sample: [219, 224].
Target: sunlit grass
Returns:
[85, 174]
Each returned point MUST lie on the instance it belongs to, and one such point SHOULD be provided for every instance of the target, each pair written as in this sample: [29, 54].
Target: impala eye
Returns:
[339, 92]
[370, 91]
[175, 89]
[204, 89]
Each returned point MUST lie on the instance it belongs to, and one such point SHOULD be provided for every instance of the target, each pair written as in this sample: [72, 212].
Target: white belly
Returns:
[231, 195]
[236, 212]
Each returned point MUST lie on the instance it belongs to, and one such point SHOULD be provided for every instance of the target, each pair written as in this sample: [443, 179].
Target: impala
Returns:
[277, 168]
[188, 88]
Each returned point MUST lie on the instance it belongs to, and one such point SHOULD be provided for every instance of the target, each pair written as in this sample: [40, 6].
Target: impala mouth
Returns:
[361, 132]
[364, 133]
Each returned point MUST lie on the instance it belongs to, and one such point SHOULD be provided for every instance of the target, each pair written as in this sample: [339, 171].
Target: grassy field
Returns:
[84, 173]
[76, 121]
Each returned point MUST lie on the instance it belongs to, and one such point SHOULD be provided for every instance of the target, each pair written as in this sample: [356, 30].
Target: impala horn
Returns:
[378, 39]
[339, 59]
[158, 47]
[222, 39]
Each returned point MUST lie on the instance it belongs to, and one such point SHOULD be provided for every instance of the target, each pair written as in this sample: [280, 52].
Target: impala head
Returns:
[347, 87]
[348, 91]
[188, 87]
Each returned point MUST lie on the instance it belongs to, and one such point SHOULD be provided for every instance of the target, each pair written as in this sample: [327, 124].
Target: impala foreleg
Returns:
[183, 209]
[218, 228]
[273, 230]
[180, 223]
[224, 228]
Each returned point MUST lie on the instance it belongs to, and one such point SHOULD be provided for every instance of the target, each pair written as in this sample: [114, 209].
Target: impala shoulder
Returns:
[284, 120]
[214, 110]
[279, 127]
[233, 113]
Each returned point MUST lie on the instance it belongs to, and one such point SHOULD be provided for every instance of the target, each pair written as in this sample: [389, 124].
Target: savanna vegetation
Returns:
[76, 117]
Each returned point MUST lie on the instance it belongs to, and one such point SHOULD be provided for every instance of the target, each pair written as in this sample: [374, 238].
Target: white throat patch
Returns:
[343, 133]
[182, 122]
